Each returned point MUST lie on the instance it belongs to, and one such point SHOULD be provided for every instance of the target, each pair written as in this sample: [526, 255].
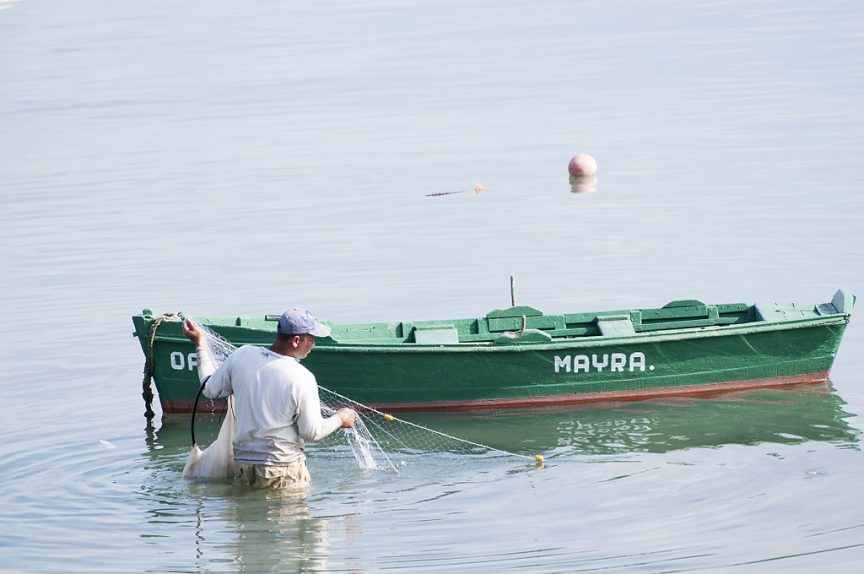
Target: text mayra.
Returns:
[615, 362]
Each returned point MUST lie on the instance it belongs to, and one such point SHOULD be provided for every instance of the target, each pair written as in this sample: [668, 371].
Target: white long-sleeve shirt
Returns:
[275, 400]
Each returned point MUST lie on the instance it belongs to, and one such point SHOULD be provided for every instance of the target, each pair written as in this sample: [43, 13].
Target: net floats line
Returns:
[390, 418]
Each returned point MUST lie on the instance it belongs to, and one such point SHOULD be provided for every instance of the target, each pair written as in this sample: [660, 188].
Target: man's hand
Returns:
[192, 332]
[347, 416]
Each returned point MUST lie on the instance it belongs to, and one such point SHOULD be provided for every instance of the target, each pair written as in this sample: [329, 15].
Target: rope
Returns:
[195, 409]
[147, 391]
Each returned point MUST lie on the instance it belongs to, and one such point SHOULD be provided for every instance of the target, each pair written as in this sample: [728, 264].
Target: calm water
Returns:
[240, 158]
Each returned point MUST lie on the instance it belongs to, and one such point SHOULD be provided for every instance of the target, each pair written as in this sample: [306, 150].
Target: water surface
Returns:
[223, 158]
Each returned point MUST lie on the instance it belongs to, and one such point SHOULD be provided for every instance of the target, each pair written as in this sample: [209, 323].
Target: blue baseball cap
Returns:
[299, 322]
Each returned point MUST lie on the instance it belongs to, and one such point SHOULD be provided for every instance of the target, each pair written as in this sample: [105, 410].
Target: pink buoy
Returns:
[582, 165]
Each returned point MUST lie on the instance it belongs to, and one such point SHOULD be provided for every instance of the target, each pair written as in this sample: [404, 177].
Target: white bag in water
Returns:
[217, 460]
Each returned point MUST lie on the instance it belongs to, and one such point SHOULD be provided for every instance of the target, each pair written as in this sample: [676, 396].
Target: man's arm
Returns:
[214, 386]
[310, 424]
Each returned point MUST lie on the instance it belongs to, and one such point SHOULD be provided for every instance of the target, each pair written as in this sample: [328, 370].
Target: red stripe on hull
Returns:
[610, 396]
[185, 405]
[179, 406]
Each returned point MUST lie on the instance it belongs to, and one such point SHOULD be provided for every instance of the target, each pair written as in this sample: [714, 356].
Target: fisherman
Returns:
[276, 401]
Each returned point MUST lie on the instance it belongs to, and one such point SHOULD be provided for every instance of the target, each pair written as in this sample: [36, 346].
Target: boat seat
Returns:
[615, 326]
[782, 312]
[516, 311]
[511, 319]
[436, 335]
[522, 337]
[676, 315]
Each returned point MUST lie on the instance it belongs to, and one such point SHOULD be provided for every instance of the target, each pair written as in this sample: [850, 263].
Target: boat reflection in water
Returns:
[784, 416]
[790, 415]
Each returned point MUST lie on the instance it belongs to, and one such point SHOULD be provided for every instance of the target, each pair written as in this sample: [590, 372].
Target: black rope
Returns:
[195, 408]
[147, 391]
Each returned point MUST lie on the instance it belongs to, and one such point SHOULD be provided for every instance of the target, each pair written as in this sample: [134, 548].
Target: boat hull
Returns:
[460, 377]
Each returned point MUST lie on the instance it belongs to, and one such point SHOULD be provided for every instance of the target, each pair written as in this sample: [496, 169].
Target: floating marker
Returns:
[582, 165]
[539, 458]
[583, 173]
[388, 418]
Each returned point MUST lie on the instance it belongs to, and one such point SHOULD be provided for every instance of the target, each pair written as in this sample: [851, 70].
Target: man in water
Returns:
[275, 399]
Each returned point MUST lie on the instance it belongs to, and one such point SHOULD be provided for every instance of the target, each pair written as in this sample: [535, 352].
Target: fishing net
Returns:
[377, 441]
[380, 441]
[217, 460]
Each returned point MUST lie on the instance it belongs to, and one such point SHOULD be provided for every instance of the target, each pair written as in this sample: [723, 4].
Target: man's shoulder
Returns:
[263, 355]
[296, 369]
[249, 349]
[251, 353]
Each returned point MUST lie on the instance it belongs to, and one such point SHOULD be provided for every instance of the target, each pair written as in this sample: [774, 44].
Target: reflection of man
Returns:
[265, 531]
[276, 401]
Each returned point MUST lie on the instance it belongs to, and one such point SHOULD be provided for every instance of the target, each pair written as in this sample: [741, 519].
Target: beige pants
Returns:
[293, 475]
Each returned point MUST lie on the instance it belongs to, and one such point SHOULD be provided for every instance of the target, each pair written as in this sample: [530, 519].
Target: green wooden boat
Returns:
[521, 357]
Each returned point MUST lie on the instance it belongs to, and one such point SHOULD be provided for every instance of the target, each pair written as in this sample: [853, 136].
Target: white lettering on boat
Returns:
[580, 363]
[616, 362]
[600, 365]
[638, 360]
[180, 362]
